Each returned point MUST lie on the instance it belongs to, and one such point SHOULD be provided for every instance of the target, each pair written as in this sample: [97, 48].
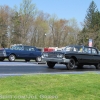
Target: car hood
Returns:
[63, 52]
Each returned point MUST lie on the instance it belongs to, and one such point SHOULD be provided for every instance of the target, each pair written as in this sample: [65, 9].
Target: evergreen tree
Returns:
[91, 16]
[91, 29]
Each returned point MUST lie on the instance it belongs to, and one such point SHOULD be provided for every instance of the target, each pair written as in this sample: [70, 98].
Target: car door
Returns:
[27, 52]
[34, 52]
[96, 56]
[87, 56]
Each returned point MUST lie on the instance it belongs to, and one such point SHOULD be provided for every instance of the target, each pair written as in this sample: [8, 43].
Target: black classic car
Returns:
[20, 51]
[72, 56]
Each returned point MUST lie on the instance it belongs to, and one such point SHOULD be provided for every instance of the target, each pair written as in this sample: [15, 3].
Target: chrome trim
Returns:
[60, 60]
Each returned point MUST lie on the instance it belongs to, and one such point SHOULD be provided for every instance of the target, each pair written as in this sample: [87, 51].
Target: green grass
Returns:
[51, 87]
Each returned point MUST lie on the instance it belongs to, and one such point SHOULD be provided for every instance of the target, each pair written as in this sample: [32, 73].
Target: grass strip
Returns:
[51, 87]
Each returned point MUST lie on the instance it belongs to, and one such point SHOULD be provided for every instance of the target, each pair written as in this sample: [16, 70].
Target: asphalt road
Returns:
[21, 68]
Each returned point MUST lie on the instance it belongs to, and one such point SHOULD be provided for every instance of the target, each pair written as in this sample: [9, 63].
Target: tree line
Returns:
[29, 26]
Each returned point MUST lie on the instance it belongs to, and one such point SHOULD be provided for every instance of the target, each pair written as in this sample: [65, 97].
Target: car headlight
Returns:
[45, 55]
[60, 55]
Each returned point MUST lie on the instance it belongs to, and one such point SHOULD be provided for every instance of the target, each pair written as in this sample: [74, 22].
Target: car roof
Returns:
[75, 45]
[81, 46]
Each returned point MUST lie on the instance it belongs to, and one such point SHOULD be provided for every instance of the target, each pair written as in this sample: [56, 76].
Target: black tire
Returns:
[2, 59]
[38, 59]
[12, 58]
[51, 64]
[98, 66]
[27, 60]
[71, 64]
[79, 66]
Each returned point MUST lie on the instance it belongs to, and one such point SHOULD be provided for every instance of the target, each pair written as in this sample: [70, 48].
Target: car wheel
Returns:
[2, 59]
[38, 59]
[71, 64]
[12, 57]
[98, 66]
[51, 64]
[79, 66]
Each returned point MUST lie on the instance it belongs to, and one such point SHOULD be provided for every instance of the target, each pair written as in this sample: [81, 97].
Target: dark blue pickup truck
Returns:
[21, 52]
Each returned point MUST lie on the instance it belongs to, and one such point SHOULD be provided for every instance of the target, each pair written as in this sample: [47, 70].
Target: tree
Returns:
[91, 28]
[40, 29]
[27, 14]
[53, 19]
[15, 28]
[4, 16]
[91, 16]
[73, 31]
[63, 32]
[26, 25]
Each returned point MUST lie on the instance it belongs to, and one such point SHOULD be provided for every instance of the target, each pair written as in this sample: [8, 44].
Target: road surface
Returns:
[23, 68]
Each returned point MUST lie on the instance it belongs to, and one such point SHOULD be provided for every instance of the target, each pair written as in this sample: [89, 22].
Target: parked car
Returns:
[21, 52]
[72, 56]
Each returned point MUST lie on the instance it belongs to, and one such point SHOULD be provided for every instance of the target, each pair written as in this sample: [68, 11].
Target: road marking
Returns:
[16, 64]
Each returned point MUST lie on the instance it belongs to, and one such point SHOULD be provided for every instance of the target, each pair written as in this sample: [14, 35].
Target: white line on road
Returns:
[16, 64]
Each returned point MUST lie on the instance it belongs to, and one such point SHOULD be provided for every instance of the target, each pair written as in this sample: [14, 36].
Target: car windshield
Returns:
[73, 48]
[16, 48]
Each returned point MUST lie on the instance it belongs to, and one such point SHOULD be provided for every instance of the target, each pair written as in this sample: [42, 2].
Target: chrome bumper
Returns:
[59, 60]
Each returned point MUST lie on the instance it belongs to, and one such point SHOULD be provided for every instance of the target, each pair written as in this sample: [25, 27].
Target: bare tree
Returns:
[4, 17]
[27, 13]
[40, 29]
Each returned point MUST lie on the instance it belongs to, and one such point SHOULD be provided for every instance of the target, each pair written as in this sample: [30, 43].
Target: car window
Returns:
[12, 48]
[74, 48]
[31, 49]
[94, 51]
[80, 50]
[16, 48]
[26, 48]
[68, 48]
[87, 50]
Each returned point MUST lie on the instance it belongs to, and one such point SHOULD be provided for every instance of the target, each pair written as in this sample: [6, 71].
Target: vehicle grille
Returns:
[52, 55]
[1, 53]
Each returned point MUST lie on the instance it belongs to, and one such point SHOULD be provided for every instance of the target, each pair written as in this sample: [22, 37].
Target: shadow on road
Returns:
[85, 68]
